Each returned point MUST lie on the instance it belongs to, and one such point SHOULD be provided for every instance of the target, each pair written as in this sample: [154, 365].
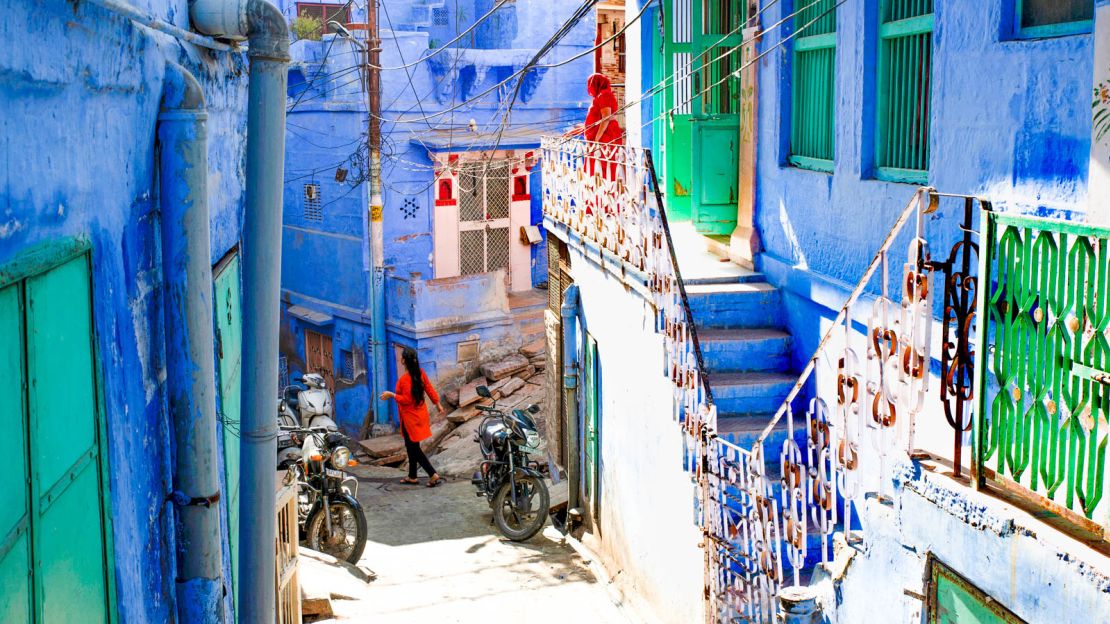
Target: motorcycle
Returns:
[330, 517]
[308, 407]
[509, 479]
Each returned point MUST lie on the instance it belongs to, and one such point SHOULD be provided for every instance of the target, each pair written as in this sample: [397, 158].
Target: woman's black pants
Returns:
[416, 456]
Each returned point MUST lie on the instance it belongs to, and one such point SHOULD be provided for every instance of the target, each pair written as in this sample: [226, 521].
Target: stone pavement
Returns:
[438, 558]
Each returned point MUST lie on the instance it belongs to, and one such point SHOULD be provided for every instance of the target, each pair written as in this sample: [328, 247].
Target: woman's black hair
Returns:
[412, 366]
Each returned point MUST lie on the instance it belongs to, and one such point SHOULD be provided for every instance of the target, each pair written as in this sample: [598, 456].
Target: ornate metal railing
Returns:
[1043, 377]
[770, 511]
[609, 195]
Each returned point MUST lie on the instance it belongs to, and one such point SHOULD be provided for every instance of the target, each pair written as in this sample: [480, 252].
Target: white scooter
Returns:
[307, 407]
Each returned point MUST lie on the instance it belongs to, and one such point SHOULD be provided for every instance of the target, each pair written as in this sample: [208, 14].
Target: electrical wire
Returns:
[500, 3]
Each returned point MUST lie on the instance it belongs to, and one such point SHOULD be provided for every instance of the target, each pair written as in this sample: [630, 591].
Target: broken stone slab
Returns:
[440, 430]
[526, 374]
[392, 460]
[514, 384]
[497, 385]
[539, 361]
[324, 578]
[534, 348]
[383, 446]
[469, 393]
[505, 368]
[464, 414]
[451, 398]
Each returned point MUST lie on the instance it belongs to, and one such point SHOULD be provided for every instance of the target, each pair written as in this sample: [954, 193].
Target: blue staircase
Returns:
[747, 351]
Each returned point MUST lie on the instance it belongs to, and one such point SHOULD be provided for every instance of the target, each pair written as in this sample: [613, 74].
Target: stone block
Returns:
[464, 414]
[505, 368]
[383, 446]
[451, 398]
[469, 393]
[515, 383]
[534, 348]
[526, 374]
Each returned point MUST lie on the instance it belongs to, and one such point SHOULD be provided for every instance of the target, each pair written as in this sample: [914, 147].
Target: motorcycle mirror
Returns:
[533, 409]
[483, 392]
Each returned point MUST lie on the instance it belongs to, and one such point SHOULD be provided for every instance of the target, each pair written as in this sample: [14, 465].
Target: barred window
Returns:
[813, 87]
[1052, 18]
[904, 87]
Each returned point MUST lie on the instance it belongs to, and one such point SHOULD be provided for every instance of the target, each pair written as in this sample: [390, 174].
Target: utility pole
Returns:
[377, 251]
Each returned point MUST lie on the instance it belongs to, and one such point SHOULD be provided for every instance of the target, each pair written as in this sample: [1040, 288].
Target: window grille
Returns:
[683, 84]
[313, 211]
[813, 87]
[484, 198]
[904, 86]
[1052, 18]
[346, 364]
[283, 374]
[325, 13]
[439, 16]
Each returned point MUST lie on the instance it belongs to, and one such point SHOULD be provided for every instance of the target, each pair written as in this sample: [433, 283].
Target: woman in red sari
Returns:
[601, 123]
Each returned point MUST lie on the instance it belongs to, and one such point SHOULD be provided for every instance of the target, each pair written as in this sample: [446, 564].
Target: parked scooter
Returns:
[509, 477]
[304, 407]
[330, 517]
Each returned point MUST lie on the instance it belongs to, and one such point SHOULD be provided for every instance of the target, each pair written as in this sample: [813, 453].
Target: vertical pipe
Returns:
[569, 313]
[269, 57]
[190, 360]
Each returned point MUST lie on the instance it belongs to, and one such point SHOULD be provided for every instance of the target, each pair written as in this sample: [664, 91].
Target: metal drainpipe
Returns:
[264, 27]
[569, 313]
[190, 360]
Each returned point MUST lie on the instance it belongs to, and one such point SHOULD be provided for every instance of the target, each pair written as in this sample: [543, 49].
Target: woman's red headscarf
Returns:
[597, 83]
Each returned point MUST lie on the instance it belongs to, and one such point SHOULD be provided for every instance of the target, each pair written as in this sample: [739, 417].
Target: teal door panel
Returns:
[70, 553]
[592, 425]
[68, 539]
[15, 586]
[60, 366]
[717, 165]
[229, 329]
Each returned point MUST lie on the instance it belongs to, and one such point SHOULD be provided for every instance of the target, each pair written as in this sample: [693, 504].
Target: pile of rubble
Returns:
[514, 382]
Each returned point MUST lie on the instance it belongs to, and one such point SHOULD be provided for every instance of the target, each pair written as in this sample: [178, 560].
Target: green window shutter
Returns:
[15, 546]
[813, 87]
[1052, 18]
[904, 86]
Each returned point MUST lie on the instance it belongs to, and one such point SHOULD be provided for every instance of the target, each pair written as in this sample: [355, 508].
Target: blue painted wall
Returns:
[326, 261]
[80, 89]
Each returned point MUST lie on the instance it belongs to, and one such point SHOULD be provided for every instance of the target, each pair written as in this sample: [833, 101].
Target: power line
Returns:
[443, 47]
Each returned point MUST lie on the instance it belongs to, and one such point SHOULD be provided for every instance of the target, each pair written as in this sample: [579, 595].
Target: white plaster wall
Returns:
[648, 538]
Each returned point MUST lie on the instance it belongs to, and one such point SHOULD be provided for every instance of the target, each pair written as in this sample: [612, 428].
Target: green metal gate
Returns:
[55, 544]
[229, 342]
[1043, 364]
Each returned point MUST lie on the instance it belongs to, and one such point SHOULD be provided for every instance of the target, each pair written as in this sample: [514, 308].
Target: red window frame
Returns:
[325, 12]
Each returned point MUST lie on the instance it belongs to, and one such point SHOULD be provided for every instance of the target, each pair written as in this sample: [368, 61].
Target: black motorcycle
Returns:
[330, 517]
[509, 479]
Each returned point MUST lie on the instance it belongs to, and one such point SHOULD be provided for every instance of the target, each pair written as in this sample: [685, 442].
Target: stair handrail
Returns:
[921, 196]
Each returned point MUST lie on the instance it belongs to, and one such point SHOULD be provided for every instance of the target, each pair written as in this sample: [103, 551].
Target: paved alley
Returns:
[438, 558]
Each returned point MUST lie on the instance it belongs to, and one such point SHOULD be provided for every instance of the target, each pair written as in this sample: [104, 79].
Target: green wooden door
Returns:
[15, 522]
[55, 563]
[678, 59]
[715, 120]
[229, 341]
[590, 431]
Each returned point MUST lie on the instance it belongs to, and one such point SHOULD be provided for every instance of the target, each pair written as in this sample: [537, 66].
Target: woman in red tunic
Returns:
[412, 389]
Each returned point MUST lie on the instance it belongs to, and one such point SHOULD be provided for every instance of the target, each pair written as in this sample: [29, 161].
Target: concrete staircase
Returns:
[747, 351]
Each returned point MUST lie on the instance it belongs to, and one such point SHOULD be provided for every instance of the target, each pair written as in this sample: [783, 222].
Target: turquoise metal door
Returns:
[590, 431]
[229, 342]
[15, 521]
[55, 563]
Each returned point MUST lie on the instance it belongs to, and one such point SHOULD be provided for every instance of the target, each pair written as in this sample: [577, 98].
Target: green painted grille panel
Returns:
[813, 87]
[1044, 424]
[904, 88]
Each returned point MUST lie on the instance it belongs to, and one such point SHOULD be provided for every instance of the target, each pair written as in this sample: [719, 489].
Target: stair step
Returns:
[740, 305]
[737, 350]
[741, 276]
[750, 393]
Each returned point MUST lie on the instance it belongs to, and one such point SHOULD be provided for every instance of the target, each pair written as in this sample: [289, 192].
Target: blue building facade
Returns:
[987, 102]
[83, 285]
[446, 124]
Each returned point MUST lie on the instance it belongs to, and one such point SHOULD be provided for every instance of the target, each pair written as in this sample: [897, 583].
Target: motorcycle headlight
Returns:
[340, 456]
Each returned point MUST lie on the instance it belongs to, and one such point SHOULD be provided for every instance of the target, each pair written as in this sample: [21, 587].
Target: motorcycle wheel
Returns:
[348, 531]
[519, 523]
